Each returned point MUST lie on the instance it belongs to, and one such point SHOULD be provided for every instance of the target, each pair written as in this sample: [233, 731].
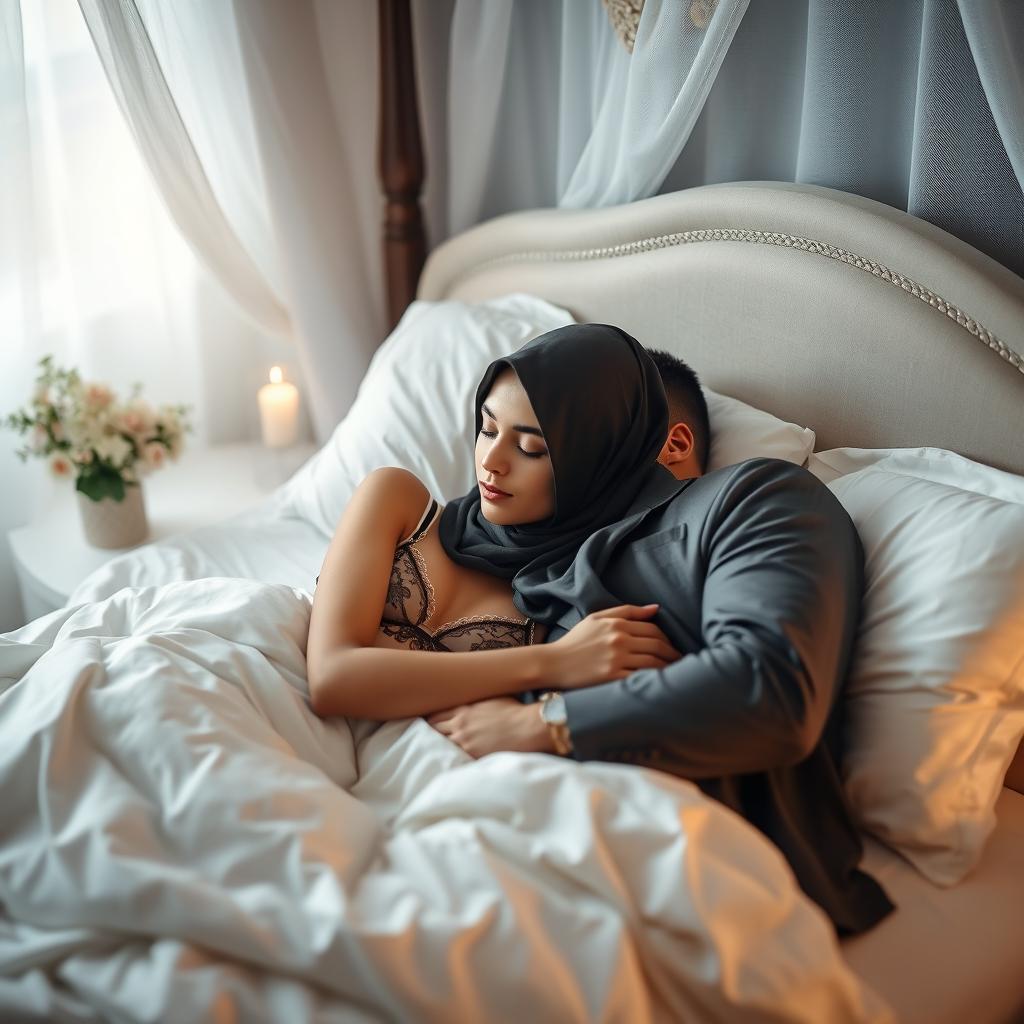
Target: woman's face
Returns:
[512, 457]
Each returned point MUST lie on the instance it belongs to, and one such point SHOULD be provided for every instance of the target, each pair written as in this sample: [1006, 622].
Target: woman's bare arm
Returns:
[348, 674]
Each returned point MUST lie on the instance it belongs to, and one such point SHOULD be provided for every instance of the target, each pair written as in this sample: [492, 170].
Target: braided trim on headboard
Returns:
[811, 245]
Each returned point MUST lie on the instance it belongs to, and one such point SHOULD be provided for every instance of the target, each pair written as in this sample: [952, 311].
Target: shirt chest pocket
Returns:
[660, 567]
[676, 536]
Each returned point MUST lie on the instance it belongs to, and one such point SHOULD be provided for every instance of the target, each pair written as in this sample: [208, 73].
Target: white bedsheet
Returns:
[182, 839]
[266, 543]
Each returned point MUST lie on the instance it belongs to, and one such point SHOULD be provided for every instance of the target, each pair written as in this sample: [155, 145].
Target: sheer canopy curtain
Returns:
[549, 106]
[918, 104]
[252, 149]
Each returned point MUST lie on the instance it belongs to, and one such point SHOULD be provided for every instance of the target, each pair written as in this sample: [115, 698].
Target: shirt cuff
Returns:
[597, 735]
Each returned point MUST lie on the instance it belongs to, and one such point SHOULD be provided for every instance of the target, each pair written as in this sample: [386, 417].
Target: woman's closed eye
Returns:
[529, 455]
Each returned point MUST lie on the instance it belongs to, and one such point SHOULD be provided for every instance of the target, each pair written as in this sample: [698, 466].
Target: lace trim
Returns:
[421, 568]
[469, 619]
[453, 624]
[411, 636]
[493, 634]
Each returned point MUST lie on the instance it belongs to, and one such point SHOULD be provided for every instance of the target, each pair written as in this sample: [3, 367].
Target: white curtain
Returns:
[548, 106]
[311, 75]
[258, 122]
[130, 60]
[92, 267]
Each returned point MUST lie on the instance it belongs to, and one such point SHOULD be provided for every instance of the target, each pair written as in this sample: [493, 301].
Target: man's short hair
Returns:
[686, 401]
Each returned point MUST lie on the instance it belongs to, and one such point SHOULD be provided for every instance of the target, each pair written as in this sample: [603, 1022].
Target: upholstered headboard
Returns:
[873, 327]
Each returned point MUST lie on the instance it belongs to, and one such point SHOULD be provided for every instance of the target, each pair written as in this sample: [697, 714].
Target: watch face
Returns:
[553, 710]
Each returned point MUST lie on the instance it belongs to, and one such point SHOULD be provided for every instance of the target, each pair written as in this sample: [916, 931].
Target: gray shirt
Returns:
[759, 572]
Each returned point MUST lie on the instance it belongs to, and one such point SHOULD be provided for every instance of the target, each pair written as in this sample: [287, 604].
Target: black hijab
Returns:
[600, 402]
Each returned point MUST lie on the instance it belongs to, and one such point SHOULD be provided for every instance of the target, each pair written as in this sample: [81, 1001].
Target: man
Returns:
[759, 574]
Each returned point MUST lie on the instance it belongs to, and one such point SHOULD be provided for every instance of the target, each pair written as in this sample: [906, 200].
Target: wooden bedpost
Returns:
[400, 158]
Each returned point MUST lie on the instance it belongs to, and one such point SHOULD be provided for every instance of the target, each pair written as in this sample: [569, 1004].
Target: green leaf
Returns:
[101, 483]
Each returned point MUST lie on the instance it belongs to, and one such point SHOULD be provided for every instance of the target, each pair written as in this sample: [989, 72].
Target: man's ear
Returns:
[679, 444]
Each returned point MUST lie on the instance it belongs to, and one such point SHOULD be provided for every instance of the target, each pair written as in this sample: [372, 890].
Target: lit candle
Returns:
[279, 411]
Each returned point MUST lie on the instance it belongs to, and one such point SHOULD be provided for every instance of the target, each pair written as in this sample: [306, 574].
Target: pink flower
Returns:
[99, 396]
[60, 465]
[136, 418]
[154, 454]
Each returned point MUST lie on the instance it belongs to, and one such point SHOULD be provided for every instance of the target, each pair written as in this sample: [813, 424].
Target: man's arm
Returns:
[781, 600]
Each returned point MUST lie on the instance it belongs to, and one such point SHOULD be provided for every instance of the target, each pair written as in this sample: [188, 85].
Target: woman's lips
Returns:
[491, 494]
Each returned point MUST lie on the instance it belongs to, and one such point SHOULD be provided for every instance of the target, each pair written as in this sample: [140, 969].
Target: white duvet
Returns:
[183, 839]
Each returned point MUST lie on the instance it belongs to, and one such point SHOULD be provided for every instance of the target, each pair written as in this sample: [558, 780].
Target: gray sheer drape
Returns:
[546, 100]
[898, 102]
[882, 100]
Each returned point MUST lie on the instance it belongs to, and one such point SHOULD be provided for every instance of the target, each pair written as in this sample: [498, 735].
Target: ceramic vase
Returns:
[114, 524]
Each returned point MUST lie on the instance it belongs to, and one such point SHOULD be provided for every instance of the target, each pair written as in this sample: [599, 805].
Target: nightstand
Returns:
[205, 485]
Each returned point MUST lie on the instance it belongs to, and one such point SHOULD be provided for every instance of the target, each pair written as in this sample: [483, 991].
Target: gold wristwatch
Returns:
[553, 715]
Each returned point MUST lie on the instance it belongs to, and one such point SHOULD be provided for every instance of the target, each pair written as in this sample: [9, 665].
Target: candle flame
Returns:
[275, 375]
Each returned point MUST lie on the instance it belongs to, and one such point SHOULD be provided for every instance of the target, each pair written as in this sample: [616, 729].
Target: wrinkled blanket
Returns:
[181, 838]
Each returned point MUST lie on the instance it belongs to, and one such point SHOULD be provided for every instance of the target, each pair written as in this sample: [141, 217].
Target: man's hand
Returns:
[501, 723]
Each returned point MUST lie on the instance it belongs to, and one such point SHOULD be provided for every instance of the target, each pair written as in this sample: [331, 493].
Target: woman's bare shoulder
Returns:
[396, 480]
[396, 490]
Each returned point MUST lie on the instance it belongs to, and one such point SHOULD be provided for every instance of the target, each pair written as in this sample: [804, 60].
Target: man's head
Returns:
[686, 448]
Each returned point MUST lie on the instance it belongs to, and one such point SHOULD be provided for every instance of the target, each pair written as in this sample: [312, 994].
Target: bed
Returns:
[809, 304]
[183, 839]
[876, 329]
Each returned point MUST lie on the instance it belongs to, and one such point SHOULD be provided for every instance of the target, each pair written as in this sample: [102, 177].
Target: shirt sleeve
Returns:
[781, 598]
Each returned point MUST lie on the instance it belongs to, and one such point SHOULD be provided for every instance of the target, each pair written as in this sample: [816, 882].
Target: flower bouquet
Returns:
[84, 431]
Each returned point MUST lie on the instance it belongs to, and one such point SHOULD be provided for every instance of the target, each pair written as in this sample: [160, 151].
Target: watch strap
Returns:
[559, 731]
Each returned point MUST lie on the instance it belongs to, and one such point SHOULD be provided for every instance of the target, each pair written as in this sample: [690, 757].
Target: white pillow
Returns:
[414, 407]
[935, 693]
[740, 432]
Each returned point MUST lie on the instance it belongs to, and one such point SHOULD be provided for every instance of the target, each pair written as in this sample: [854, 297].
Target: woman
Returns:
[567, 429]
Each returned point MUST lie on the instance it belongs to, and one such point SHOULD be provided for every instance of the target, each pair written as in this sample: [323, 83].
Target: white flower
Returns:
[154, 455]
[60, 465]
[175, 444]
[57, 429]
[114, 449]
[83, 456]
[84, 433]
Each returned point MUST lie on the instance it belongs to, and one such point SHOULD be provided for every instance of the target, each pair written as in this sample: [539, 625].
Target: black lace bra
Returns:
[410, 604]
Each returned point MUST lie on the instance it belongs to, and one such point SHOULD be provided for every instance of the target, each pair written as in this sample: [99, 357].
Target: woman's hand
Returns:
[609, 644]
